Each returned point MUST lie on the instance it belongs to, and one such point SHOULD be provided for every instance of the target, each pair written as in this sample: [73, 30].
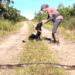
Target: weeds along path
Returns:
[63, 53]
[11, 48]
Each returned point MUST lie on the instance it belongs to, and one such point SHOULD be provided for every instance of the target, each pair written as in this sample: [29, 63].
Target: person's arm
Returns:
[48, 19]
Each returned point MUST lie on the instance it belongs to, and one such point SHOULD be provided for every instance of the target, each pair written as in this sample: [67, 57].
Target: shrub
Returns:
[69, 24]
[72, 20]
[5, 25]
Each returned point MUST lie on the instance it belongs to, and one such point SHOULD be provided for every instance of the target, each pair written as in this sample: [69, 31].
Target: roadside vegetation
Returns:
[8, 27]
[9, 17]
[70, 34]
[37, 52]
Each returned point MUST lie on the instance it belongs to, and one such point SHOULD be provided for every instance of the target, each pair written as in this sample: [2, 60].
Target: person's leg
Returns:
[54, 34]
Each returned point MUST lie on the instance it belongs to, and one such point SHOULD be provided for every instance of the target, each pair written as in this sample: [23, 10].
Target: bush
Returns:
[40, 16]
[69, 24]
[72, 20]
[5, 25]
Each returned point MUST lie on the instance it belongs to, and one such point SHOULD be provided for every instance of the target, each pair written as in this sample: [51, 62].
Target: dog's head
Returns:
[39, 25]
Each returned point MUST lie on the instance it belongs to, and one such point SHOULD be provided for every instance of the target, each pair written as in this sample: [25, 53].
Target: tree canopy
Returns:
[8, 12]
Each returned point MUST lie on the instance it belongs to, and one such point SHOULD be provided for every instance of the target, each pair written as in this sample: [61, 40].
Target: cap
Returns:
[44, 6]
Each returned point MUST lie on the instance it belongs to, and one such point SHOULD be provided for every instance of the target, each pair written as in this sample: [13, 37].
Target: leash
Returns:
[11, 66]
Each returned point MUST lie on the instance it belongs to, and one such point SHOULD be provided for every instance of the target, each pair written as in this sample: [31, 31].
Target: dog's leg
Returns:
[38, 35]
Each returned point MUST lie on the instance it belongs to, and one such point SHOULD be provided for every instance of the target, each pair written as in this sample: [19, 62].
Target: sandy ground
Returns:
[64, 53]
[11, 48]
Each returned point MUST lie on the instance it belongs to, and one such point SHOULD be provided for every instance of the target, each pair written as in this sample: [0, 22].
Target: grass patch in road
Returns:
[37, 52]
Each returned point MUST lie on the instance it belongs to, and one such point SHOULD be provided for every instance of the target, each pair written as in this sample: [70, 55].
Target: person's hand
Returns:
[43, 21]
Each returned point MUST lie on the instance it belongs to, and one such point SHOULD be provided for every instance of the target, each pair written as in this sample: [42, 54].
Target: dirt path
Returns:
[11, 48]
[64, 53]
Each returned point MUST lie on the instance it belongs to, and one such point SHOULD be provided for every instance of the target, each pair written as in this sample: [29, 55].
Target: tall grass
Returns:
[72, 22]
[67, 28]
[69, 24]
[7, 26]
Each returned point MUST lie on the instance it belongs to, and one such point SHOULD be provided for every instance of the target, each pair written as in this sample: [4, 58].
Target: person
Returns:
[53, 15]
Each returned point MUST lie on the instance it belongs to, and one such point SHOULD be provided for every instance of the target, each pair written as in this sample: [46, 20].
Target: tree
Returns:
[60, 6]
[3, 6]
[64, 11]
[40, 16]
[73, 10]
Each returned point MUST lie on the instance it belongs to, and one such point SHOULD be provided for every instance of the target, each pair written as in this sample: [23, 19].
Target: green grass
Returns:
[48, 26]
[67, 33]
[70, 34]
[7, 27]
[37, 52]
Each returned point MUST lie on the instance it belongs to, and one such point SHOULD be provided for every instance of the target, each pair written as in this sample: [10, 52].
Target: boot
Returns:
[55, 38]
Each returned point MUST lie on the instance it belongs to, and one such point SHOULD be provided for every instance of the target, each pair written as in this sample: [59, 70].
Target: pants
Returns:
[56, 24]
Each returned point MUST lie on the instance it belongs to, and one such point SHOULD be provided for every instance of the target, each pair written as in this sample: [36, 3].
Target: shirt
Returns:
[51, 12]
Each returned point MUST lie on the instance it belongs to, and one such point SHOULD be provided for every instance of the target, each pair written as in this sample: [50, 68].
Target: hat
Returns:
[44, 6]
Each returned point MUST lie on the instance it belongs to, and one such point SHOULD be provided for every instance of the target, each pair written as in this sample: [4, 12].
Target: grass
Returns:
[48, 26]
[7, 27]
[70, 34]
[37, 52]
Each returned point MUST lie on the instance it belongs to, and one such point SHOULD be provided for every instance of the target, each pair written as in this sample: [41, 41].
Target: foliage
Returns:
[40, 16]
[13, 15]
[69, 16]
[5, 25]
[10, 13]
[8, 17]
[64, 11]
[73, 10]
[69, 24]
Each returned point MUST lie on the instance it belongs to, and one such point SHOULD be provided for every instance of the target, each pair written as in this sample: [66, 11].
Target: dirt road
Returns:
[63, 53]
[11, 48]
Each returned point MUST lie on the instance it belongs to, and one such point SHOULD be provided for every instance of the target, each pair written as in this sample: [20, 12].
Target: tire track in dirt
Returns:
[11, 48]
[63, 53]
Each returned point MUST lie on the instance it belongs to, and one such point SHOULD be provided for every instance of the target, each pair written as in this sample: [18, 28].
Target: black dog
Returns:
[38, 27]
[37, 35]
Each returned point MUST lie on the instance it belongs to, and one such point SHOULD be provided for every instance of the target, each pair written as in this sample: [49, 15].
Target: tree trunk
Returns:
[1, 13]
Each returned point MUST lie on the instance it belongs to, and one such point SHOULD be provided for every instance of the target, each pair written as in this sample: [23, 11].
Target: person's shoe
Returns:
[56, 42]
